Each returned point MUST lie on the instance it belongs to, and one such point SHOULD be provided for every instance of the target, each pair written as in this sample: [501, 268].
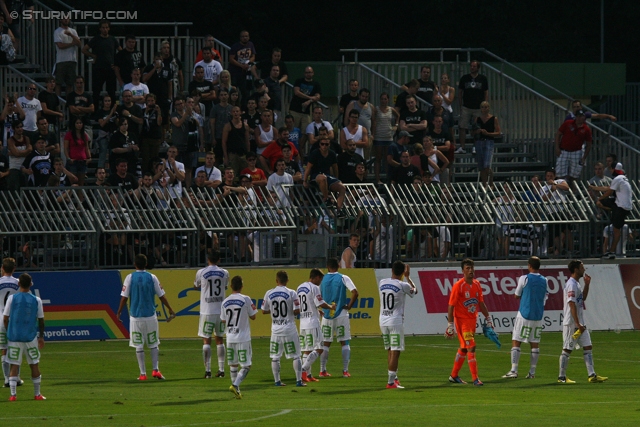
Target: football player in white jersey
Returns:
[573, 329]
[212, 282]
[310, 334]
[392, 297]
[237, 309]
[8, 286]
[283, 305]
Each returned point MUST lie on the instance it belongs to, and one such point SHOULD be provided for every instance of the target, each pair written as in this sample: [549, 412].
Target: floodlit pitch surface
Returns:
[94, 384]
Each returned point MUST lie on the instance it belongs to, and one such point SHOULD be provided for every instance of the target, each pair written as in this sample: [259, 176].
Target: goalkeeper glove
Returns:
[577, 334]
[449, 332]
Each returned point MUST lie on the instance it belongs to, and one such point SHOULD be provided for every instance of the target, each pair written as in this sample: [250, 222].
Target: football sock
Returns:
[324, 357]
[206, 356]
[233, 371]
[346, 357]
[221, 354]
[392, 376]
[311, 357]
[473, 365]
[515, 358]
[275, 368]
[297, 367]
[5, 369]
[457, 364]
[36, 385]
[13, 383]
[241, 376]
[535, 353]
[304, 359]
[564, 361]
[140, 357]
[588, 360]
[154, 357]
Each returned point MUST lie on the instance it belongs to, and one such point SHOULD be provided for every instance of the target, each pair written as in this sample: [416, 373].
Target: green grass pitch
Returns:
[94, 384]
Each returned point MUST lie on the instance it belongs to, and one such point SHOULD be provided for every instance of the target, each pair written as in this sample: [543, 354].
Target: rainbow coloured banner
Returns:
[81, 305]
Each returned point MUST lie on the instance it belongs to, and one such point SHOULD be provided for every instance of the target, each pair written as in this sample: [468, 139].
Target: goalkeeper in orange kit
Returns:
[464, 302]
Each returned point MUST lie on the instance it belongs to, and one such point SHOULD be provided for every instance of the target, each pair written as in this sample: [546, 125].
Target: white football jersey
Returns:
[392, 295]
[282, 301]
[8, 286]
[236, 310]
[212, 281]
[310, 299]
[572, 292]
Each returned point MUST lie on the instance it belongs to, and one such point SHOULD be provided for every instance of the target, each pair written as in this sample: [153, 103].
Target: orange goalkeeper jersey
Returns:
[465, 299]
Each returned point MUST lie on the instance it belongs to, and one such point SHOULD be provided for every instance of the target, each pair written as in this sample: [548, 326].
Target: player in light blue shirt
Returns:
[532, 291]
[142, 287]
[24, 320]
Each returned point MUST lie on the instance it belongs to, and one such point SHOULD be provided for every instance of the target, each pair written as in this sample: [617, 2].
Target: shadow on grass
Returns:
[189, 402]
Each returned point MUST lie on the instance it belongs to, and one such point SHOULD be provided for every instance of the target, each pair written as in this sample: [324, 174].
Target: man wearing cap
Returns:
[620, 205]
[395, 151]
[569, 142]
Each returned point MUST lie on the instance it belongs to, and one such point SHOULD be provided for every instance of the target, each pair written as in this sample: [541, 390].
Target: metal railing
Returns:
[96, 227]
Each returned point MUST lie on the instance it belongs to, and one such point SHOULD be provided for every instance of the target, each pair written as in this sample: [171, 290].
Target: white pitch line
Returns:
[283, 412]
[359, 409]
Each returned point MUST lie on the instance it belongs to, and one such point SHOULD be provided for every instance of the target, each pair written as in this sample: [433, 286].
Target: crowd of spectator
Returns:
[215, 140]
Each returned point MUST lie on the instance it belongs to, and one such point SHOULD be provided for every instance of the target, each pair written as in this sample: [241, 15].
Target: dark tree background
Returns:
[519, 31]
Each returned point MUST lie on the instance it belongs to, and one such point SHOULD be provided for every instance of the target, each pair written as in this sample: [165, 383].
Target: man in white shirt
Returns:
[392, 300]
[620, 206]
[174, 172]
[574, 330]
[212, 68]
[138, 89]
[212, 282]
[67, 41]
[32, 111]
[277, 179]
[314, 127]
[283, 305]
[214, 176]
[310, 334]
[237, 309]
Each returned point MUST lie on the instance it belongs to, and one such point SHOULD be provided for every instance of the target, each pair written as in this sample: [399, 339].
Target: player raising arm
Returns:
[392, 296]
[573, 328]
[465, 300]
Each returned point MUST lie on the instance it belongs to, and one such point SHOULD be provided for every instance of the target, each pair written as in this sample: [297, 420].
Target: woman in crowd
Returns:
[76, 150]
[487, 130]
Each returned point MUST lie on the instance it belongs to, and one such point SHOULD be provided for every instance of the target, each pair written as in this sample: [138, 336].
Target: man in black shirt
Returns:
[204, 88]
[4, 171]
[426, 87]
[103, 51]
[133, 112]
[351, 96]
[151, 135]
[322, 167]
[53, 142]
[405, 172]
[38, 165]
[473, 89]
[127, 60]
[121, 178]
[160, 81]
[401, 99]
[267, 66]
[51, 104]
[347, 162]
[305, 92]
[79, 102]
[413, 121]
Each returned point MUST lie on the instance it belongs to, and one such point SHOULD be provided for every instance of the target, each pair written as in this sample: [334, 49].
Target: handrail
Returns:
[317, 102]
[30, 80]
